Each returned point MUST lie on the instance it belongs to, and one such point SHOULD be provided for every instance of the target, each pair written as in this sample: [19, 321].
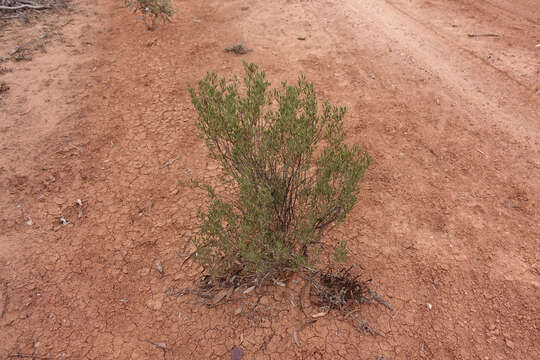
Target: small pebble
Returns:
[159, 267]
[237, 353]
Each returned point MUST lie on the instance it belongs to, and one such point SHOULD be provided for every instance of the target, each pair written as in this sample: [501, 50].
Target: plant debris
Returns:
[339, 290]
[238, 49]
[3, 87]
[5, 299]
[5, 70]
[483, 35]
[13, 5]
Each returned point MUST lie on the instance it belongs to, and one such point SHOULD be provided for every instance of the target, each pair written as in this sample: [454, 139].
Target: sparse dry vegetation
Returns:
[151, 12]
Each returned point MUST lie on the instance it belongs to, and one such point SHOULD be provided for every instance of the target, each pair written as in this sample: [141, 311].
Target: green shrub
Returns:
[292, 175]
[152, 11]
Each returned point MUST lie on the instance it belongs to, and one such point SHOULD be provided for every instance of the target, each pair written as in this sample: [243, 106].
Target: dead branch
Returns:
[186, 259]
[28, 356]
[5, 300]
[380, 300]
[13, 17]
[24, 6]
[483, 35]
[302, 293]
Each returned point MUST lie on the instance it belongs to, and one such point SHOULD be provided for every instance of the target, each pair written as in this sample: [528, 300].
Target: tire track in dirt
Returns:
[480, 86]
[502, 27]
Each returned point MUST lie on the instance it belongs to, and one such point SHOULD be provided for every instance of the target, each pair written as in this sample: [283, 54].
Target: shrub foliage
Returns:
[291, 172]
[152, 11]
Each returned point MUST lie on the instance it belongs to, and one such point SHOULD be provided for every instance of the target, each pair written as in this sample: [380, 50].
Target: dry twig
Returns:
[380, 300]
[5, 299]
[28, 356]
[483, 35]
[24, 6]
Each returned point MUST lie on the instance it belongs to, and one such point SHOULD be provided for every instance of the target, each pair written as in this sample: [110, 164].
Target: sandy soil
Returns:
[447, 225]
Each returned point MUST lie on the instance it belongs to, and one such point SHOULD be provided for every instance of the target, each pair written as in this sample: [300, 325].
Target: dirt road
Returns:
[444, 94]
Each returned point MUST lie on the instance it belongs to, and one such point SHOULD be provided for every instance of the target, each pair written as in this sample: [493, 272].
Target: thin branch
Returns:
[5, 300]
[29, 356]
[483, 35]
[35, 7]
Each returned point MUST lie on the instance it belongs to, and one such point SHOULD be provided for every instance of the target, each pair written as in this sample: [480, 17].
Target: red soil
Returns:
[447, 225]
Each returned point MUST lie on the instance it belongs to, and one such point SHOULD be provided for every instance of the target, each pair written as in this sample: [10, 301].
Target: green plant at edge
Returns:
[292, 171]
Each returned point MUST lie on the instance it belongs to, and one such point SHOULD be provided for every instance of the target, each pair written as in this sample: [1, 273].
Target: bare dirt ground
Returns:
[447, 225]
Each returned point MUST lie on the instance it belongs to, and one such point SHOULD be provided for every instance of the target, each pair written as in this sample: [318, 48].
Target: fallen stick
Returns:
[481, 152]
[170, 162]
[30, 356]
[483, 35]
[380, 300]
[5, 300]
[296, 332]
[12, 17]
[35, 7]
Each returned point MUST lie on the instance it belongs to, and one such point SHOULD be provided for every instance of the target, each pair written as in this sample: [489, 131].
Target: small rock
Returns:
[237, 353]
[29, 222]
[249, 289]
[238, 311]
[372, 76]
[159, 267]
[244, 8]
[301, 37]
[156, 303]
[429, 306]
[198, 21]
[510, 344]
[63, 221]
[437, 101]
